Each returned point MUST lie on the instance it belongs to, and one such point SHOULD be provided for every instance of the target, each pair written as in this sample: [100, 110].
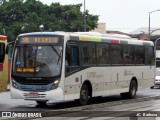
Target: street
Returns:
[142, 110]
[107, 108]
[8, 104]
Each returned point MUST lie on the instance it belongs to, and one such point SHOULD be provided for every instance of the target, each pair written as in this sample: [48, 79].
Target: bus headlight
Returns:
[55, 84]
[14, 84]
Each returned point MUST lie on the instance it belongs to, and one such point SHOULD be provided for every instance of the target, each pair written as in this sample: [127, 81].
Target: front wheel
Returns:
[84, 95]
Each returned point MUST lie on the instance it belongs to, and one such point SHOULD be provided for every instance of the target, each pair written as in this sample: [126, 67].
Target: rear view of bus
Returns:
[36, 67]
[3, 64]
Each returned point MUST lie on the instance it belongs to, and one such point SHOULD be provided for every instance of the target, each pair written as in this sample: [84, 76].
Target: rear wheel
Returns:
[132, 91]
[84, 95]
[152, 87]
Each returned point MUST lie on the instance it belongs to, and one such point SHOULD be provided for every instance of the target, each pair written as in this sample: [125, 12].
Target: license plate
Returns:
[33, 94]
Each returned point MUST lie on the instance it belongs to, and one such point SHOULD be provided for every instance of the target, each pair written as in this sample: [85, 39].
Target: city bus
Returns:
[66, 66]
[3, 64]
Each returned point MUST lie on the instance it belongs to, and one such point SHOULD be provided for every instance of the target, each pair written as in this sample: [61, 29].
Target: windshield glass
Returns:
[38, 61]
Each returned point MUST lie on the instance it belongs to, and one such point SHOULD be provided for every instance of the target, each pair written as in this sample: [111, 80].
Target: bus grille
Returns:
[38, 90]
[34, 82]
[38, 96]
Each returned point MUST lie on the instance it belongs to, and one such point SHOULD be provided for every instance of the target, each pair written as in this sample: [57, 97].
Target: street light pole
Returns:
[149, 28]
[149, 25]
[84, 16]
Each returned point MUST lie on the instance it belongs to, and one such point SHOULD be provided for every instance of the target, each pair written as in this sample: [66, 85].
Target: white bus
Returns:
[62, 66]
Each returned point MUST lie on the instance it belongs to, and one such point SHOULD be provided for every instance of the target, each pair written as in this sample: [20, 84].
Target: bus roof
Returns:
[109, 38]
[95, 37]
[42, 33]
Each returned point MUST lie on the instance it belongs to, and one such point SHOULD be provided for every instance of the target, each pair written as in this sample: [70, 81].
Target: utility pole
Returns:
[84, 16]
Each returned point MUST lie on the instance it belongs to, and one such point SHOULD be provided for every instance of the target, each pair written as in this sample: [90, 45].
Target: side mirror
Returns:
[9, 48]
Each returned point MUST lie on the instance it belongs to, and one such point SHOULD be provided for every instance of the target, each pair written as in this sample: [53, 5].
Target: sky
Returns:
[122, 15]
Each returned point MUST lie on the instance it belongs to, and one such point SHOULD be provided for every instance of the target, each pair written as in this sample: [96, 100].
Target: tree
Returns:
[19, 16]
[11, 16]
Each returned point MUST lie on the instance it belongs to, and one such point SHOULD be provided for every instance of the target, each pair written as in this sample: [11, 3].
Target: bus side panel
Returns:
[102, 82]
[3, 77]
[4, 72]
[96, 76]
[72, 86]
[1, 73]
[121, 77]
[145, 76]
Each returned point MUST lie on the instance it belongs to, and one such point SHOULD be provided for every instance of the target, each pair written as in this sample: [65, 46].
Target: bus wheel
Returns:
[132, 89]
[152, 87]
[84, 95]
[41, 103]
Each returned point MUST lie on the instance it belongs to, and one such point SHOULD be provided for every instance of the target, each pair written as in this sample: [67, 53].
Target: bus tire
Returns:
[132, 89]
[41, 103]
[152, 87]
[84, 95]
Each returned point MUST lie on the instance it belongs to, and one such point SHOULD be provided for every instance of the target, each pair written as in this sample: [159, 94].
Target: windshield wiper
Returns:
[55, 51]
[59, 55]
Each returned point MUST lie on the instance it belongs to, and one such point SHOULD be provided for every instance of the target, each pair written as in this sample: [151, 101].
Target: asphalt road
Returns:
[8, 104]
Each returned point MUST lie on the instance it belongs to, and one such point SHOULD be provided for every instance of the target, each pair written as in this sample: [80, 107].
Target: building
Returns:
[142, 33]
[101, 28]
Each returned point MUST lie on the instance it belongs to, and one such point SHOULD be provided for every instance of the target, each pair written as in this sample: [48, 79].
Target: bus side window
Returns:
[139, 55]
[88, 53]
[116, 54]
[149, 55]
[2, 52]
[103, 54]
[128, 54]
[72, 58]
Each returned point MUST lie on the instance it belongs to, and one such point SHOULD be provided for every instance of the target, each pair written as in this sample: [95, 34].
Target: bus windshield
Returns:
[37, 61]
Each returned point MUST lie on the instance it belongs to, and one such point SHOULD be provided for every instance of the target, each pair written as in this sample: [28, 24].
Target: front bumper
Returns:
[54, 95]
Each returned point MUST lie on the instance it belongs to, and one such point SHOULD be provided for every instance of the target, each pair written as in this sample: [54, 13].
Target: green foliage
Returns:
[18, 16]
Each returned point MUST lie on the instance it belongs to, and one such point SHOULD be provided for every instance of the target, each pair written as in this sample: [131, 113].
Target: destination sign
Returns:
[25, 70]
[30, 40]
